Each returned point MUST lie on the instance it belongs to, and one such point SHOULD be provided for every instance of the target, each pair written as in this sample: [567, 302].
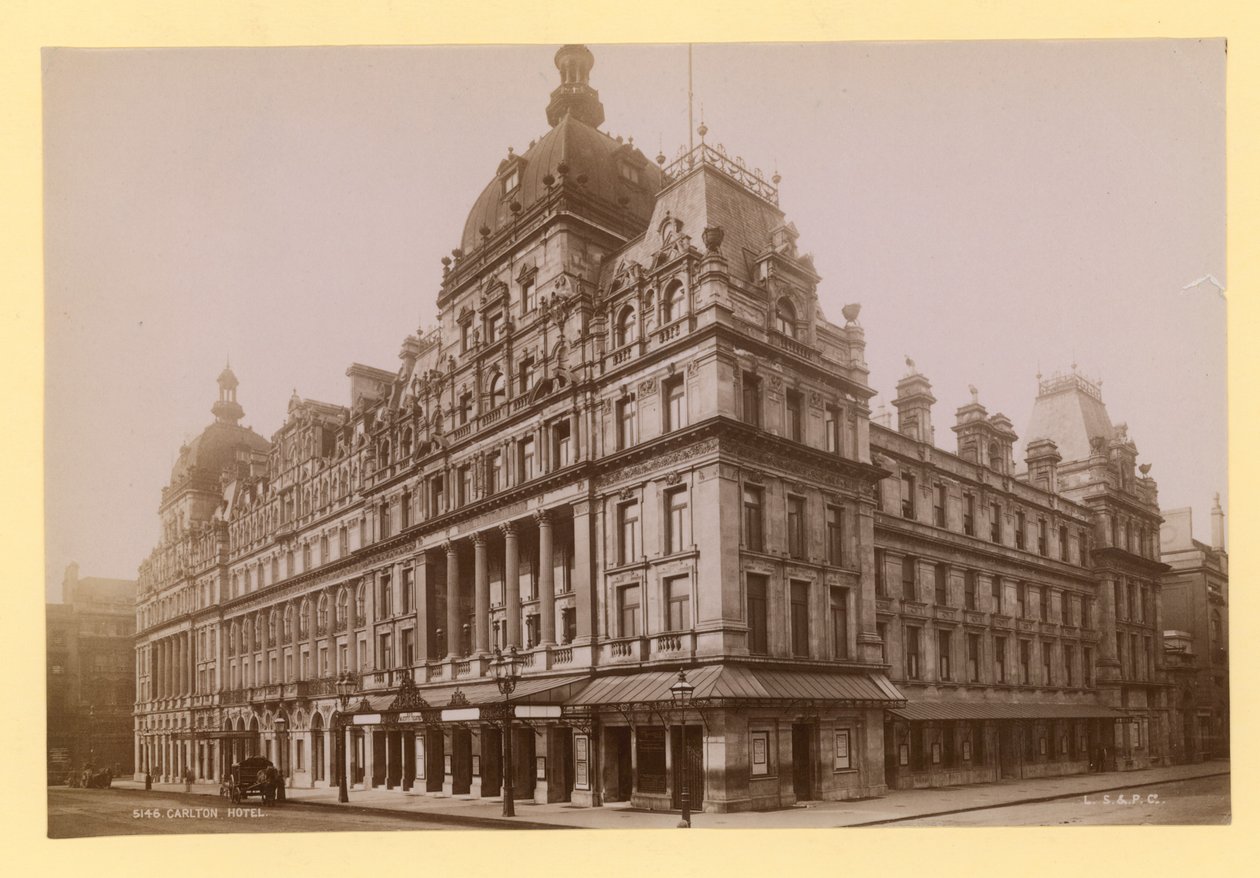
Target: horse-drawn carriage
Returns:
[256, 776]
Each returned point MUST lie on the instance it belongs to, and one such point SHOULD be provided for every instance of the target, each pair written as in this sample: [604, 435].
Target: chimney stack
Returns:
[914, 405]
[1218, 524]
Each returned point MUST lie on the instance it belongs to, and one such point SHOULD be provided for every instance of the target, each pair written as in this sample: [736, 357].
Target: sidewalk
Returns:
[897, 805]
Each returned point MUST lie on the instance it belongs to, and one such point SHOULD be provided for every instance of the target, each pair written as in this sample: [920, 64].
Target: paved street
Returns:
[1197, 801]
[78, 813]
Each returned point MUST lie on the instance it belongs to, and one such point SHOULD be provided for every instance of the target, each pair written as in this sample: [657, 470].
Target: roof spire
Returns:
[574, 96]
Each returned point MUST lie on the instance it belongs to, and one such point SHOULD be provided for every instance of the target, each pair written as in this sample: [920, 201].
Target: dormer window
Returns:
[627, 327]
[512, 180]
[630, 173]
[785, 317]
[673, 303]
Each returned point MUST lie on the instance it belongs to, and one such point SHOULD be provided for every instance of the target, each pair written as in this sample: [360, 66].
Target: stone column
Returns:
[546, 580]
[422, 608]
[481, 575]
[583, 593]
[512, 583]
[452, 600]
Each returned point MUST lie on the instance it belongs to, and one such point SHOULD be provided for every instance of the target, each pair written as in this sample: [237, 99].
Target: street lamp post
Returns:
[507, 673]
[282, 747]
[680, 692]
[345, 687]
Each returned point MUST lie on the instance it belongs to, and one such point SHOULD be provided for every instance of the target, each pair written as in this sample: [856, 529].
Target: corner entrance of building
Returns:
[690, 759]
[803, 761]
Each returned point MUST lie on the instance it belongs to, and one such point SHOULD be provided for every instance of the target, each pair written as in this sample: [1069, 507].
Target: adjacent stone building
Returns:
[635, 444]
[91, 675]
[1196, 621]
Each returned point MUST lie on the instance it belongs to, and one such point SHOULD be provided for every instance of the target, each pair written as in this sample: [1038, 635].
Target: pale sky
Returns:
[996, 208]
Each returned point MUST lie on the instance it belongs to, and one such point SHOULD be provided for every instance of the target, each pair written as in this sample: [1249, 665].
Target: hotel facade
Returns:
[634, 444]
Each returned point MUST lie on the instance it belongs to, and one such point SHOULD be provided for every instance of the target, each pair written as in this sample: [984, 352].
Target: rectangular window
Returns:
[384, 597]
[969, 590]
[969, 514]
[995, 588]
[1069, 659]
[627, 421]
[1044, 603]
[1025, 662]
[1082, 546]
[628, 532]
[758, 615]
[561, 455]
[908, 590]
[677, 521]
[940, 591]
[1021, 599]
[907, 495]
[465, 408]
[465, 336]
[675, 412]
[938, 506]
[995, 523]
[527, 459]
[999, 659]
[494, 327]
[973, 658]
[840, 623]
[1087, 612]
[795, 416]
[1043, 539]
[494, 472]
[943, 643]
[799, 594]
[1087, 665]
[835, 536]
[912, 653]
[527, 295]
[881, 581]
[752, 400]
[1118, 593]
[1063, 544]
[753, 530]
[1021, 530]
[465, 485]
[835, 421]
[678, 603]
[796, 527]
[384, 651]
[1047, 676]
[628, 610]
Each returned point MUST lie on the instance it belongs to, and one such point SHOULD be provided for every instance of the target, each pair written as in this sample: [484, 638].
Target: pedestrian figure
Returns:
[148, 780]
[188, 779]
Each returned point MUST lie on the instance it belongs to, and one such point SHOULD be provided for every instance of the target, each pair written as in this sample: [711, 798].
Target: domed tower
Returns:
[226, 409]
[574, 94]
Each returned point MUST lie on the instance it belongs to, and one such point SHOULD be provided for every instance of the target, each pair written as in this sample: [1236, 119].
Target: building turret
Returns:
[574, 95]
[226, 409]
[1042, 458]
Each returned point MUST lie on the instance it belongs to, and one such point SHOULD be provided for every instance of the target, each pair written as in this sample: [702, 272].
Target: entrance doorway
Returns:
[803, 761]
[461, 761]
[434, 760]
[690, 759]
[1008, 752]
[491, 761]
[619, 782]
[560, 786]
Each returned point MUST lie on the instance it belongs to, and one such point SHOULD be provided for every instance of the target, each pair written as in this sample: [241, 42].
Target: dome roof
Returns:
[215, 450]
[573, 153]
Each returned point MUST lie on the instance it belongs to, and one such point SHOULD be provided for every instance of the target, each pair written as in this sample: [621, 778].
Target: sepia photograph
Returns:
[636, 436]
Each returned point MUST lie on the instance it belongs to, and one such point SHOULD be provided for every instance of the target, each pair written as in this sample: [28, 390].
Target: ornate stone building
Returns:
[633, 444]
[1019, 610]
[90, 675]
[1196, 622]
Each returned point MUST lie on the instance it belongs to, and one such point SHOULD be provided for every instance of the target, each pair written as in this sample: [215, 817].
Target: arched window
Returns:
[673, 303]
[343, 608]
[360, 612]
[288, 623]
[321, 619]
[405, 447]
[498, 391]
[785, 317]
[627, 328]
[384, 461]
[304, 619]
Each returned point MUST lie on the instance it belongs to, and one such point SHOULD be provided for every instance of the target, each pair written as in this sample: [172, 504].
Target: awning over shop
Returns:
[741, 683]
[531, 690]
[963, 710]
